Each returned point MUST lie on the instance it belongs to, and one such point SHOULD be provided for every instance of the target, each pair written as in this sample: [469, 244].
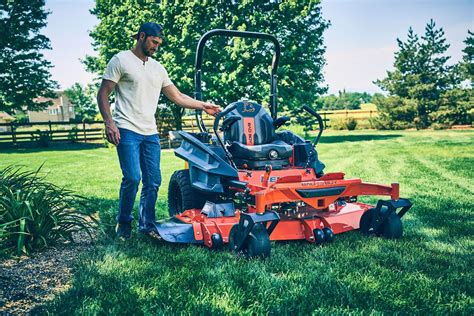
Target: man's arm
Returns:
[111, 131]
[185, 101]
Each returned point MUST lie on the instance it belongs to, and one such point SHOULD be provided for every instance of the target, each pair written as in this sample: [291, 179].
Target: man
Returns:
[138, 80]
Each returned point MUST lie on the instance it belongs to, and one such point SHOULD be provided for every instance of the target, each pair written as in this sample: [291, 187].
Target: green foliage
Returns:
[345, 100]
[456, 107]
[351, 123]
[468, 57]
[421, 75]
[24, 71]
[394, 113]
[305, 120]
[73, 134]
[34, 213]
[21, 117]
[42, 138]
[348, 123]
[232, 68]
[84, 101]
[164, 120]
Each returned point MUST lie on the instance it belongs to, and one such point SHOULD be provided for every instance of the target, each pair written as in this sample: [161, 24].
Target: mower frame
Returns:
[324, 205]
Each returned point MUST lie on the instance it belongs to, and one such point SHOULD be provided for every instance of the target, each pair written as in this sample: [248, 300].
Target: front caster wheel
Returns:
[217, 241]
[366, 220]
[256, 245]
[319, 237]
[328, 234]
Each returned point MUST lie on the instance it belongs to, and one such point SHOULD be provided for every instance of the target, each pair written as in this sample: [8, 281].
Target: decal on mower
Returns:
[318, 183]
[249, 126]
[270, 179]
[248, 107]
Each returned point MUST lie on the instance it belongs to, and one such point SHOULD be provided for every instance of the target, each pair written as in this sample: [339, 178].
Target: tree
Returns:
[421, 72]
[468, 57]
[84, 101]
[345, 100]
[24, 72]
[232, 68]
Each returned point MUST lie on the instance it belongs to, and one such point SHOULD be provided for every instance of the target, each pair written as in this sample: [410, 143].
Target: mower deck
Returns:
[345, 219]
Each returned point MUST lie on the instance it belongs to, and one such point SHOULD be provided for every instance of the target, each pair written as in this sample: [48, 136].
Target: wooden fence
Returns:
[189, 122]
[13, 134]
[43, 133]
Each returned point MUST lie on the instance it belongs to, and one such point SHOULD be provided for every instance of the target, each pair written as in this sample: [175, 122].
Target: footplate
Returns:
[174, 230]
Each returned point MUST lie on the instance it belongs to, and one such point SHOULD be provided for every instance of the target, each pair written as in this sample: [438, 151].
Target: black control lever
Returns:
[320, 122]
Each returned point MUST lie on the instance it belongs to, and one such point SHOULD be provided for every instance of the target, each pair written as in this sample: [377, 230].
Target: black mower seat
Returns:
[253, 140]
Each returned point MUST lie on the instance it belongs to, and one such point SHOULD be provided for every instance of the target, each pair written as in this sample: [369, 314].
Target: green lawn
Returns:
[426, 272]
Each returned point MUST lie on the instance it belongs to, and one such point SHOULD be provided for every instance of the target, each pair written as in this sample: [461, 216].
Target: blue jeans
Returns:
[139, 157]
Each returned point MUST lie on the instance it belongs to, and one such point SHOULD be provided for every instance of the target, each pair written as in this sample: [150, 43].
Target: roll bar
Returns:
[243, 34]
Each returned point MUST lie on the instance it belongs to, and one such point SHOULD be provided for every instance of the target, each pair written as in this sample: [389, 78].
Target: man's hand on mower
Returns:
[112, 132]
[211, 108]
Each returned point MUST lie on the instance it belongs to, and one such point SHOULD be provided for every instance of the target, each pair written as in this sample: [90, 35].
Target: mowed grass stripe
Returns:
[428, 271]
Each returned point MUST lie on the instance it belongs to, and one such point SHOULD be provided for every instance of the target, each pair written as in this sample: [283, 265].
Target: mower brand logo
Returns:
[248, 107]
[270, 179]
[250, 132]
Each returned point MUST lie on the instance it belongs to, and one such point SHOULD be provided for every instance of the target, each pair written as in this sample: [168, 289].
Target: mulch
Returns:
[27, 283]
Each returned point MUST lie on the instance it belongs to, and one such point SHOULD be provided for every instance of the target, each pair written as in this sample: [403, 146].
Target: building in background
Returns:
[5, 119]
[62, 110]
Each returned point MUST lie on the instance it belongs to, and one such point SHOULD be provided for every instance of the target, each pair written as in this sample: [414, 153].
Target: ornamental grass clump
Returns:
[35, 213]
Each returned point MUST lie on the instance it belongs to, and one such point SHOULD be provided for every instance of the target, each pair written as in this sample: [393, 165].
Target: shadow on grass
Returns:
[355, 138]
[26, 149]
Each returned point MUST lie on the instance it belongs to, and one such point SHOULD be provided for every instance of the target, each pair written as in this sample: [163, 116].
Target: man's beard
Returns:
[147, 52]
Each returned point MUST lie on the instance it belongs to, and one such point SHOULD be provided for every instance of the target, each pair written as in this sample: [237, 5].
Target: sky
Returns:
[360, 43]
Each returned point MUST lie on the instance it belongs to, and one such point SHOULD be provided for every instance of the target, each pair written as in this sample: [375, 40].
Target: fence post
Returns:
[13, 129]
[84, 131]
[50, 131]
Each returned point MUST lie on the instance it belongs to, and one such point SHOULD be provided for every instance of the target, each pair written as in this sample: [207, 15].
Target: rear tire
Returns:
[181, 195]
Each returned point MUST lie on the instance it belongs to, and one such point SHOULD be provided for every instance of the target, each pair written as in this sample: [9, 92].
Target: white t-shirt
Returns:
[137, 91]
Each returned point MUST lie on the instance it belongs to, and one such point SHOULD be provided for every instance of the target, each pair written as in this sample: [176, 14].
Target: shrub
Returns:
[439, 126]
[384, 122]
[35, 213]
[307, 121]
[456, 107]
[42, 138]
[73, 134]
[164, 120]
[394, 113]
[337, 124]
[350, 123]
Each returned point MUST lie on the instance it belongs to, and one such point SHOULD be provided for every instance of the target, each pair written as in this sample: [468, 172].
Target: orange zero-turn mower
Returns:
[258, 184]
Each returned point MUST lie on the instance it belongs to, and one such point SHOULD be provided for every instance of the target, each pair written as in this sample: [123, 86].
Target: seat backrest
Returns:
[255, 126]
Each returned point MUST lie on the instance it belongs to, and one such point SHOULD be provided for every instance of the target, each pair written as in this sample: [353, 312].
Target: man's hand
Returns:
[112, 132]
[211, 108]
